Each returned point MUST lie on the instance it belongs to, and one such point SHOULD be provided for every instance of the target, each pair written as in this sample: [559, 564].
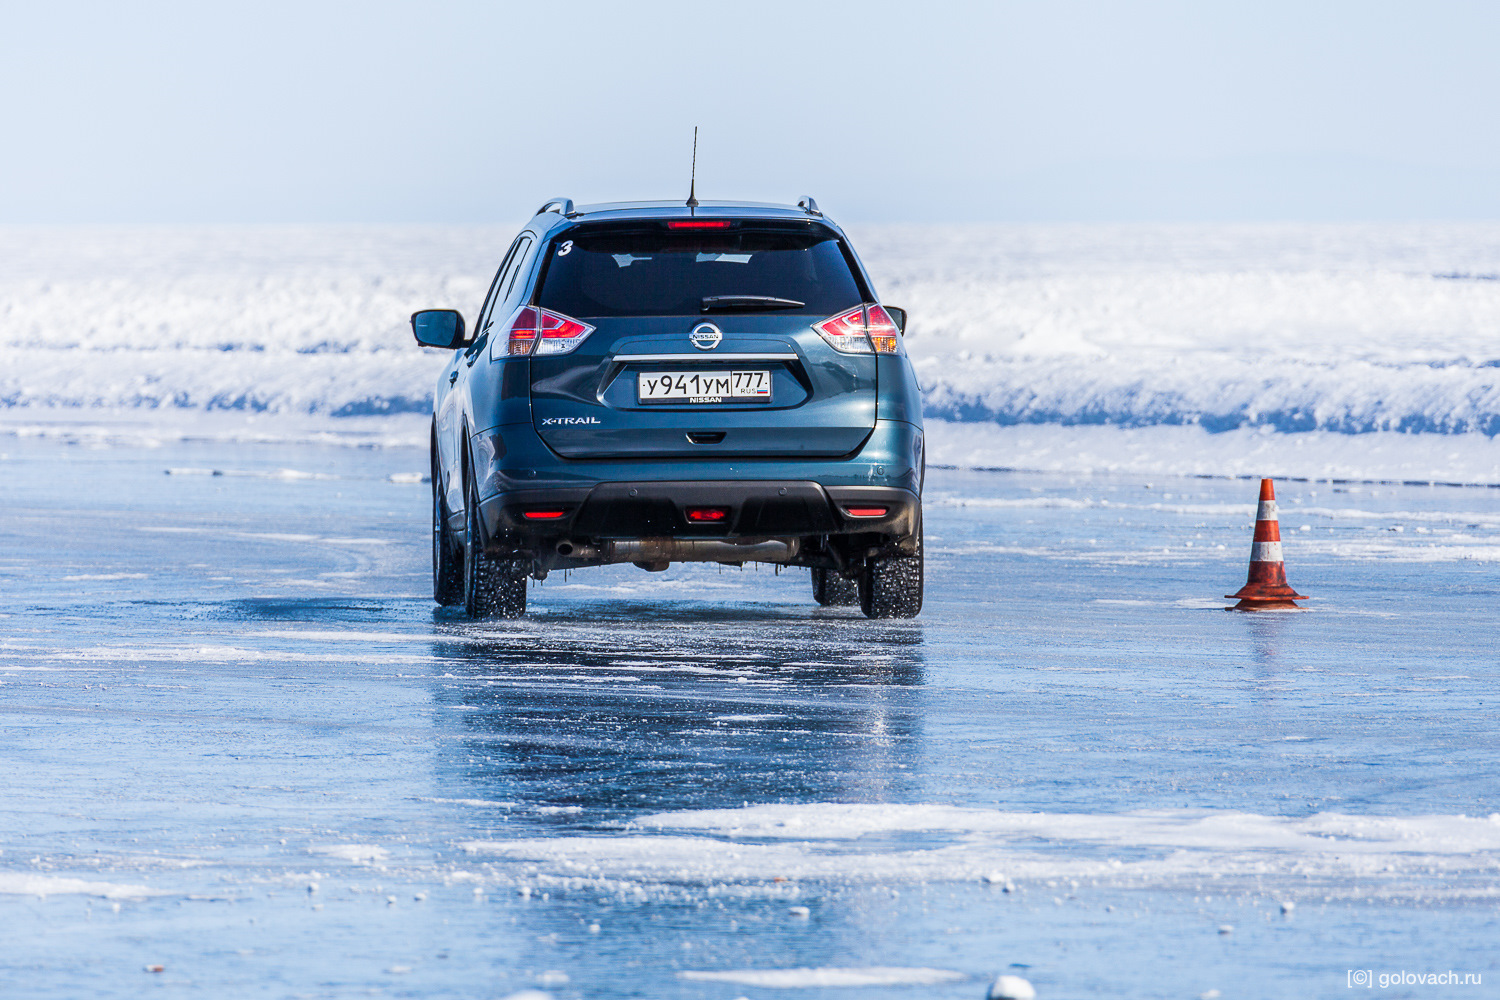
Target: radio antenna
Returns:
[692, 201]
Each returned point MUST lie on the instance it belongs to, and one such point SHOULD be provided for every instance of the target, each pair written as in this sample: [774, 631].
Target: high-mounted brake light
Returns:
[862, 330]
[866, 511]
[698, 224]
[540, 331]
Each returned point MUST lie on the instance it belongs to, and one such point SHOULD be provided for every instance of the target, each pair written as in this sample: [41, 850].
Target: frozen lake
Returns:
[240, 743]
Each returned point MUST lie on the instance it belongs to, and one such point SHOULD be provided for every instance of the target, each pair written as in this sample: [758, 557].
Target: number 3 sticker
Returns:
[565, 249]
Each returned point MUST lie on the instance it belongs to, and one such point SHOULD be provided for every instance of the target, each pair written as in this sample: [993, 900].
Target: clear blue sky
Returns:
[885, 111]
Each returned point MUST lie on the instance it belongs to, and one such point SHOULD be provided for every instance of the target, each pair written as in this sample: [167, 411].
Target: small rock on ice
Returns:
[156, 968]
[1287, 906]
[801, 912]
[1226, 928]
[1012, 988]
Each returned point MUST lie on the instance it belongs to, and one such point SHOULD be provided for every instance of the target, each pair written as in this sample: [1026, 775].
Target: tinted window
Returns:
[517, 267]
[658, 272]
[493, 299]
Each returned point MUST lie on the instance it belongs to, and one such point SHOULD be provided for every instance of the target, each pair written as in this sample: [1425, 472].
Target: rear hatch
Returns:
[702, 344]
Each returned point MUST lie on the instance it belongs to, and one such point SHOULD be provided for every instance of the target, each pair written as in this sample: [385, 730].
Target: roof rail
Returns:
[562, 206]
[807, 204]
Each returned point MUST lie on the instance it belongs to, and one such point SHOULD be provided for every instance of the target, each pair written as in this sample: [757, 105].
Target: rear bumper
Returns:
[751, 509]
[618, 500]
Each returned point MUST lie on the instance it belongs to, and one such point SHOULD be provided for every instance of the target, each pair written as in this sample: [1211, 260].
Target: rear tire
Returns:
[892, 587]
[831, 590]
[493, 588]
[447, 566]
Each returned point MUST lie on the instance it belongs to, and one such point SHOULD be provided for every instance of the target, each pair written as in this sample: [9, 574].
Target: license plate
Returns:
[704, 387]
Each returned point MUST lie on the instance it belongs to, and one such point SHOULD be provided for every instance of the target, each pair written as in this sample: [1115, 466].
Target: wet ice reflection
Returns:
[664, 710]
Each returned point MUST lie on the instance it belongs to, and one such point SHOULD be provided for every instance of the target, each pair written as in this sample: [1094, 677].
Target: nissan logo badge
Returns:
[706, 336]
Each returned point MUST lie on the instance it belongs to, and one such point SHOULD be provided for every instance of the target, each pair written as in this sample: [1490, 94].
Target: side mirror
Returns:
[438, 328]
[899, 316]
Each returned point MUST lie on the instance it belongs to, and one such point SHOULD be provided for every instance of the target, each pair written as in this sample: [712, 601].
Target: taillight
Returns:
[861, 330]
[540, 331]
[866, 511]
[884, 335]
[707, 515]
[542, 515]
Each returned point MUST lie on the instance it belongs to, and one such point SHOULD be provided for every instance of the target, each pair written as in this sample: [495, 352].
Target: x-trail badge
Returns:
[706, 336]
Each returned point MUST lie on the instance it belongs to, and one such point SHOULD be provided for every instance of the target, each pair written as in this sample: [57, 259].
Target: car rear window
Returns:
[658, 272]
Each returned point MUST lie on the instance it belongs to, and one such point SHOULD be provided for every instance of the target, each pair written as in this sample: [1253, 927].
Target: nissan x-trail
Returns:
[652, 383]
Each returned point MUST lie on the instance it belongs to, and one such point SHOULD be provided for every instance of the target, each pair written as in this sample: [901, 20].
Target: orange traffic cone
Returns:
[1267, 587]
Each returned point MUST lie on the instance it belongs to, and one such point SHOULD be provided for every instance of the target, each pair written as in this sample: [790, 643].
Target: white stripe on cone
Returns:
[1265, 552]
[1267, 511]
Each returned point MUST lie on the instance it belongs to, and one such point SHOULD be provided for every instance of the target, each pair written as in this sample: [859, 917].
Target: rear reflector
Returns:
[699, 224]
[866, 511]
[542, 515]
[707, 515]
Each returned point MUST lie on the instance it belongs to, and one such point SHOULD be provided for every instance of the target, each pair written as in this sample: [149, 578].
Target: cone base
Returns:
[1266, 604]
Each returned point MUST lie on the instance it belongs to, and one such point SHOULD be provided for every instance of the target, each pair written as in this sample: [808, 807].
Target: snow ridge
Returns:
[1343, 329]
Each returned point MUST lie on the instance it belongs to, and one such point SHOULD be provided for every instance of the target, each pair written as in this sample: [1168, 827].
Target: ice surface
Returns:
[1075, 348]
[1067, 721]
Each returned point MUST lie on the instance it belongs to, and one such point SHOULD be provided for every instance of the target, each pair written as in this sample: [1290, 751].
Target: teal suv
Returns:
[652, 383]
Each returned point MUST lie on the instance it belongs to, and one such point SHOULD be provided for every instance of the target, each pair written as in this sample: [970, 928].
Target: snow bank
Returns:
[852, 843]
[1158, 828]
[1057, 340]
[1384, 456]
[250, 319]
[812, 978]
[1340, 328]
[25, 884]
[357, 853]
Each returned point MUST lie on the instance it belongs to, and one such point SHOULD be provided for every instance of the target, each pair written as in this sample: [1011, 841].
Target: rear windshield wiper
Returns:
[716, 302]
